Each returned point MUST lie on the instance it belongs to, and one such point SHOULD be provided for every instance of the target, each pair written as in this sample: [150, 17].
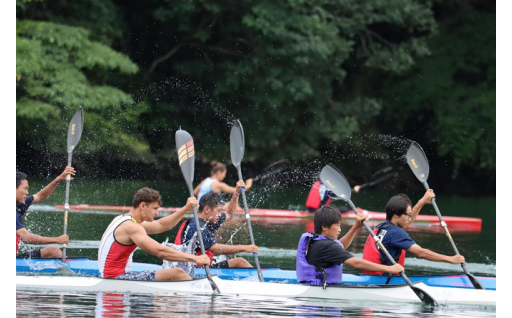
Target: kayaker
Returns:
[399, 215]
[211, 213]
[214, 182]
[319, 196]
[129, 231]
[23, 201]
[320, 255]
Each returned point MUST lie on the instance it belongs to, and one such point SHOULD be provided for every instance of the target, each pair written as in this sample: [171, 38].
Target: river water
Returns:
[277, 239]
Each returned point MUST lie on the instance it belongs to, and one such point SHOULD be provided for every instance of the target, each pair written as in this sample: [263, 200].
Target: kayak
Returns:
[467, 223]
[387, 293]
[84, 266]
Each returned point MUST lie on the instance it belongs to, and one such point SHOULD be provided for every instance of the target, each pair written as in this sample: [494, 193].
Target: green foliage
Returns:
[457, 85]
[52, 61]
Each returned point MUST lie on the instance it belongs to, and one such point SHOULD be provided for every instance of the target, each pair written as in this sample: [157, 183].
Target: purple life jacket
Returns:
[310, 274]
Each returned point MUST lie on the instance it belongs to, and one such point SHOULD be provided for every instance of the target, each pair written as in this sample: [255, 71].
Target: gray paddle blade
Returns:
[335, 181]
[76, 126]
[186, 155]
[418, 162]
[237, 143]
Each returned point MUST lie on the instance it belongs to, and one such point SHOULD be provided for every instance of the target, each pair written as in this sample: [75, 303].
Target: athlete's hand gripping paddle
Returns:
[418, 162]
[237, 145]
[338, 184]
[76, 126]
[186, 157]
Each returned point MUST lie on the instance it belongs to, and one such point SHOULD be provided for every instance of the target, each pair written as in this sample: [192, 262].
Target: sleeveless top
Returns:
[206, 187]
[114, 258]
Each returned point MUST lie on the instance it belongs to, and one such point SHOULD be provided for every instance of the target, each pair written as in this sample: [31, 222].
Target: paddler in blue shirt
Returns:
[23, 202]
[212, 214]
[399, 215]
[214, 182]
[320, 255]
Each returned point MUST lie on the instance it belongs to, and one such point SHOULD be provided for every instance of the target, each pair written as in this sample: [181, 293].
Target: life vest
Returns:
[372, 254]
[317, 196]
[206, 187]
[179, 240]
[18, 240]
[310, 274]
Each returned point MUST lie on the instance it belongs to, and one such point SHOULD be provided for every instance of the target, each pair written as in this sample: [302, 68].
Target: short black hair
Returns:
[397, 205]
[326, 216]
[20, 176]
[210, 199]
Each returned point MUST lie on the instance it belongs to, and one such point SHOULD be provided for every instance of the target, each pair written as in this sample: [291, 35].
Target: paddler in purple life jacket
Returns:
[320, 255]
[319, 196]
[214, 182]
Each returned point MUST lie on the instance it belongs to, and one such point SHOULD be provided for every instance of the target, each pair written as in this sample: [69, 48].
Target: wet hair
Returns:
[217, 166]
[397, 205]
[210, 199]
[20, 176]
[326, 216]
[146, 195]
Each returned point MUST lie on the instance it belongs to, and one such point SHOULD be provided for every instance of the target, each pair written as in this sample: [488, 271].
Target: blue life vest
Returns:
[310, 274]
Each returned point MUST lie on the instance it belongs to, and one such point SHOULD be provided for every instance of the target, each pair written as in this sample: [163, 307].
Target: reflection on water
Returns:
[138, 305]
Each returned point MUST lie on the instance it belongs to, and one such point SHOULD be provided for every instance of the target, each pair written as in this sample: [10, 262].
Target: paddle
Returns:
[237, 145]
[379, 176]
[336, 182]
[76, 126]
[272, 169]
[418, 162]
[186, 157]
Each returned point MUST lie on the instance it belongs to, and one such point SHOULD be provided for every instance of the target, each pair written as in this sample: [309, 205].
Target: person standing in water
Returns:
[214, 182]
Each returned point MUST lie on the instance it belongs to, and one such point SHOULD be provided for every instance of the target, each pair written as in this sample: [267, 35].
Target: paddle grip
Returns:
[66, 204]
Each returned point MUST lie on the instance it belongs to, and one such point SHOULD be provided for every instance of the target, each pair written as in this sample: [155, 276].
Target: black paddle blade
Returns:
[76, 126]
[474, 281]
[237, 143]
[335, 181]
[418, 162]
[424, 297]
[186, 155]
[273, 169]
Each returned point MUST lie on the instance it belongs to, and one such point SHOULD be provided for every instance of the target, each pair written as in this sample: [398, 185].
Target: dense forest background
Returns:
[348, 82]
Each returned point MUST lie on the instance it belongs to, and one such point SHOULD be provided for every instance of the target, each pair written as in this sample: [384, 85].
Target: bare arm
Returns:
[364, 265]
[427, 199]
[29, 238]
[138, 236]
[232, 205]
[347, 239]
[222, 249]
[168, 222]
[433, 256]
[222, 187]
[46, 191]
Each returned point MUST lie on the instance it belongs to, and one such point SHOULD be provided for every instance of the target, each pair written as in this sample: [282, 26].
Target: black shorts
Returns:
[223, 264]
[30, 254]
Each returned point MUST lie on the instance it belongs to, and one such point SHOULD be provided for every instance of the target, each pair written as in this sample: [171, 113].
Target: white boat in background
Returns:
[385, 293]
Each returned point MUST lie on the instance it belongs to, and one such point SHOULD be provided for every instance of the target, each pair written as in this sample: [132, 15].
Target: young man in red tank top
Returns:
[129, 231]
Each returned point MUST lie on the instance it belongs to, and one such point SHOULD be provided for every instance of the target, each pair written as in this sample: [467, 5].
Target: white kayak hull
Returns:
[387, 293]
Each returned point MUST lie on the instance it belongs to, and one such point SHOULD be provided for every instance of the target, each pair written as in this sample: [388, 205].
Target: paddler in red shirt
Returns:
[131, 230]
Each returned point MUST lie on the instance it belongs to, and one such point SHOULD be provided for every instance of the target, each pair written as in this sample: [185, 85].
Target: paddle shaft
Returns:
[249, 226]
[201, 244]
[66, 207]
[475, 282]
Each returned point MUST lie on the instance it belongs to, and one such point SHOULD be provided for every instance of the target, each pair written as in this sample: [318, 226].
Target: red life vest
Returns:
[178, 241]
[314, 200]
[17, 243]
[371, 253]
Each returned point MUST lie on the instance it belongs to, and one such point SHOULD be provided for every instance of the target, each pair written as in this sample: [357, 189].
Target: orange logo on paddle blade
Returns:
[186, 151]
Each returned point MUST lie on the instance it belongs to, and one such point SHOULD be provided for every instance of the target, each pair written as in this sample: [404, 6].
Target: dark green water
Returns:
[277, 239]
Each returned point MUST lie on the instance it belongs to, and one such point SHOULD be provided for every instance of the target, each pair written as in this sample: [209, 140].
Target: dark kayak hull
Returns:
[85, 266]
